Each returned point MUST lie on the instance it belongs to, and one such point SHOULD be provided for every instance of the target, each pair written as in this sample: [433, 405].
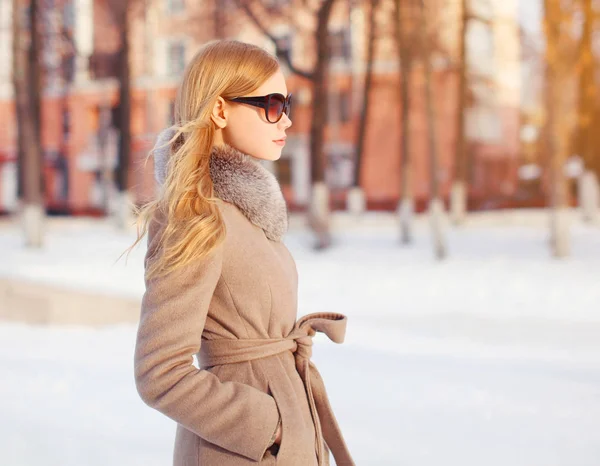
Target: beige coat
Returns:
[236, 310]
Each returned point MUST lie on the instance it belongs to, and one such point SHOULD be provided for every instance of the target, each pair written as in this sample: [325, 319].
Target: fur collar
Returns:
[239, 179]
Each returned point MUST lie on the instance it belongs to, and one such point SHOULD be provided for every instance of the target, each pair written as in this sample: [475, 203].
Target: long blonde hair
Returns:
[194, 227]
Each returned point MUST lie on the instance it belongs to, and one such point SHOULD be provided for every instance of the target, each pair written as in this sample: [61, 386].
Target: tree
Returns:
[219, 20]
[586, 132]
[356, 196]
[216, 16]
[405, 39]
[459, 188]
[318, 215]
[466, 98]
[27, 88]
[436, 206]
[122, 13]
[556, 130]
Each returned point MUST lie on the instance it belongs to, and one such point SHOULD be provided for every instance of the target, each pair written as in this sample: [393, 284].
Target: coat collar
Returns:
[239, 179]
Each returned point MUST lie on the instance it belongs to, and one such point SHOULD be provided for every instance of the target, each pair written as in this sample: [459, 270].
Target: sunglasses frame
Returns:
[264, 102]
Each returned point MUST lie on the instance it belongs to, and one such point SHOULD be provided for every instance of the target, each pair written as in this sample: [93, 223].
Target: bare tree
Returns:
[436, 206]
[459, 188]
[122, 13]
[318, 215]
[589, 192]
[319, 209]
[356, 197]
[555, 127]
[27, 87]
[219, 20]
[405, 40]
[217, 17]
[467, 98]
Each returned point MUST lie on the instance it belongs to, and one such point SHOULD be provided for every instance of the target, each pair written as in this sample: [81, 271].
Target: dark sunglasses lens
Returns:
[275, 108]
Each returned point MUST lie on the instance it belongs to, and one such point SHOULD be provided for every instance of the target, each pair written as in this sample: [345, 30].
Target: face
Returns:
[246, 128]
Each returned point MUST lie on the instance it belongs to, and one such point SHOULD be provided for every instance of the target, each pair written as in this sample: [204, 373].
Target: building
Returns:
[81, 95]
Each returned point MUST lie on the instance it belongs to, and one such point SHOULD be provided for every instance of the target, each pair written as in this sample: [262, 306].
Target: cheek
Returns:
[248, 133]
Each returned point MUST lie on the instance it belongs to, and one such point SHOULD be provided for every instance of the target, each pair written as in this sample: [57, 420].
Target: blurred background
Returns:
[441, 177]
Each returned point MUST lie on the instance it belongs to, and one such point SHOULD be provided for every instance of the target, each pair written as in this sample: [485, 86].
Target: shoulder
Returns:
[233, 217]
[240, 231]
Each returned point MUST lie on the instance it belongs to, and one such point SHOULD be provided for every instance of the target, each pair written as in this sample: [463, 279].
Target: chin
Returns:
[272, 156]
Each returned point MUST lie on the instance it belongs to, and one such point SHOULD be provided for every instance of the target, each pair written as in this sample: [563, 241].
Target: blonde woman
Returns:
[221, 284]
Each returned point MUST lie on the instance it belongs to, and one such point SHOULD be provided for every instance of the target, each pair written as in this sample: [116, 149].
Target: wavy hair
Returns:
[193, 224]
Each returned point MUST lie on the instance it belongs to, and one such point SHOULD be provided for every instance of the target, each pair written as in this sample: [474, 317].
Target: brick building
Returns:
[81, 94]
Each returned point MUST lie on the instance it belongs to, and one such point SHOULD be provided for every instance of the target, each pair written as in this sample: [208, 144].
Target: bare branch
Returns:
[281, 50]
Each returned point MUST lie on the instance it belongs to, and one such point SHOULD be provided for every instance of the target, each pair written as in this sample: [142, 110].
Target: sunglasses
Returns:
[275, 105]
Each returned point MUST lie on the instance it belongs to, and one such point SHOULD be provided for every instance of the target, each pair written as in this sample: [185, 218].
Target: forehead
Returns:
[276, 83]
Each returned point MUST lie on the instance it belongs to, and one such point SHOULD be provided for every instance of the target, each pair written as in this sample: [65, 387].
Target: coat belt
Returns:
[299, 341]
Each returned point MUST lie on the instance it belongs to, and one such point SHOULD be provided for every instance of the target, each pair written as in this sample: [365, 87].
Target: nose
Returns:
[285, 122]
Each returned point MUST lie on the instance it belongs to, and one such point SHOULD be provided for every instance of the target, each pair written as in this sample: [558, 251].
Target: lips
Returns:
[281, 139]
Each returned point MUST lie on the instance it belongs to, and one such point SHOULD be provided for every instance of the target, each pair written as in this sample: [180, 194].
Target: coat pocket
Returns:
[297, 447]
[273, 450]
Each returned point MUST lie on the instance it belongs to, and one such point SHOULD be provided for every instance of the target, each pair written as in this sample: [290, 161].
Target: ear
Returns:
[219, 113]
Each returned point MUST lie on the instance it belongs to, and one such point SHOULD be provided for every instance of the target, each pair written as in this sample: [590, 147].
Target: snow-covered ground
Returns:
[490, 358]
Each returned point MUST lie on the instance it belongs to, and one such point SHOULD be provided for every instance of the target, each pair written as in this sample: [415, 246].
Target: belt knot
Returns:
[303, 348]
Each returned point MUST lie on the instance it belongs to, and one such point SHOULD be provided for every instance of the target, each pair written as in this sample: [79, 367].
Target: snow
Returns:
[489, 358]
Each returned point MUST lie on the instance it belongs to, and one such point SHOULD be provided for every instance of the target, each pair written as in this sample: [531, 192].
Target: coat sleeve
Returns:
[232, 415]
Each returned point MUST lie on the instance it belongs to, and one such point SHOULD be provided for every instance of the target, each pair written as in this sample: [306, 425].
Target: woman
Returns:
[221, 284]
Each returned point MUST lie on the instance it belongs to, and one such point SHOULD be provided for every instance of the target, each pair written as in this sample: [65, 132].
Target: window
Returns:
[339, 44]
[175, 6]
[176, 54]
[60, 178]
[345, 106]
[480, 39]
[171, 113]
[284, 171]
[340, 166]
[69, 15]
[284, 42]
[484, 124]
[66, 123]
[275, 4]
[481, 9]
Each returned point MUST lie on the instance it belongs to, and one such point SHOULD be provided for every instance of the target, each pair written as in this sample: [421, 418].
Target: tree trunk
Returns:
[124, 201]
[318, 215]
[68, 62]
[587, 101]
[556, 144]
[27, 86]
[319, 107]
[460, 185]
[405, 60]
[219, 19]
[318, 218]
[589, 196]
[19, 81]
[358, 204]
[318, 210]
[436, 208]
